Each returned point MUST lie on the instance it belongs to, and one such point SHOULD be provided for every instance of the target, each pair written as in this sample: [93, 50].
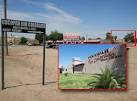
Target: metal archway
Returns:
[9, 25]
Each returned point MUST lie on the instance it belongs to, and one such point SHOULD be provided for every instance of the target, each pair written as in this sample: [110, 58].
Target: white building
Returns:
[76, 66]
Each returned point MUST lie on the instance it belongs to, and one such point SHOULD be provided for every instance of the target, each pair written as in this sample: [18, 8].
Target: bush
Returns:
[129, 37]
[39, 37]
[23, 40]
[107, 79]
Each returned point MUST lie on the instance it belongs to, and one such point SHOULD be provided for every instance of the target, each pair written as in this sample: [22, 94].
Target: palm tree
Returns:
[107, 79]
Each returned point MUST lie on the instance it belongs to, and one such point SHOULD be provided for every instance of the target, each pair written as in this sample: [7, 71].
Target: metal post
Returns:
[2, 60]
[86, 38]
[73, 70]
[5, 17]
[43, 76]
[5, 9]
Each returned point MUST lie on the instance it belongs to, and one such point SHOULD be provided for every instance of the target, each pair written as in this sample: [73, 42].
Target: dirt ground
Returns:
[23, 72]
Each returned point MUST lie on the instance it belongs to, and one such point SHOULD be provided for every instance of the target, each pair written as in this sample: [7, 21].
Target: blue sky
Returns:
[80, 51]
[92, 17]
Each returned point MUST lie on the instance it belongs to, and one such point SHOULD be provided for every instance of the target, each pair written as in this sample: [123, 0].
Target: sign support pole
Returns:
[43, 76]
[31, 27]
[2, 60]
[5, 17]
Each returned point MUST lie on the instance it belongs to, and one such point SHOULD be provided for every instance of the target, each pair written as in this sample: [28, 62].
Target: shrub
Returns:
[23, 40]
[107, 79]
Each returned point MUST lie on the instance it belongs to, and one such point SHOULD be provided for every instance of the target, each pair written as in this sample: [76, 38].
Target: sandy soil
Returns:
[23, 72]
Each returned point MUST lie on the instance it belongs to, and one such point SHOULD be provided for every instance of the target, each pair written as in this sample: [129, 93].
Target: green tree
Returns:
[129, 37]
[55, 35]
[47, 37]
[39, 37]
[23, 40]
[108, 35]
[115, 37]
[98, 38]
[82, 38]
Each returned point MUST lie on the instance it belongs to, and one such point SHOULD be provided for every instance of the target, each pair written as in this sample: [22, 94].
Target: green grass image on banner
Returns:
[75, 80]
[106, 79]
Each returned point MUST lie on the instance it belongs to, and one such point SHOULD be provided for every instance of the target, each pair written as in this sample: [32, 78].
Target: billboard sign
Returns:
[9, 25]
[71, 36]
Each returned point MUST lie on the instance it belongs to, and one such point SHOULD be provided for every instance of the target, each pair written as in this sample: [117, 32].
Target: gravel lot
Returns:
[23, 72]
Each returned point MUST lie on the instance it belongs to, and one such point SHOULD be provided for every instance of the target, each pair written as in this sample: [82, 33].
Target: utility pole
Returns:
[86, 38]
[5, 33]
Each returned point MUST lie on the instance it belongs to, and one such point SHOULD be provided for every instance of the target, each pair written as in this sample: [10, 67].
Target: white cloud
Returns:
[52, 8]
[59, 19]
[63, 14]
[77, 58]
[32, 2]
[54, 17]
[54, 11]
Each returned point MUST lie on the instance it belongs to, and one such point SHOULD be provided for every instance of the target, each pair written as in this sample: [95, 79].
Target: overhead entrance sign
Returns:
[9, 25]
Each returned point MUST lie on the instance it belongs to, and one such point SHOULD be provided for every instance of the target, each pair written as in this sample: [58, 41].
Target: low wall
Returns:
[111, 58]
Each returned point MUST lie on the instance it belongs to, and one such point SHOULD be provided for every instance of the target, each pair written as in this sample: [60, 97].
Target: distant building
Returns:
[60, 68]
[92, 41]
[32, 42]
[71, 37]
[76, 66]
[12, 40]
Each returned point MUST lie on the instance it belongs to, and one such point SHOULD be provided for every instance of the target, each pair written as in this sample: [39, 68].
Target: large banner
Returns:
[93, 66]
